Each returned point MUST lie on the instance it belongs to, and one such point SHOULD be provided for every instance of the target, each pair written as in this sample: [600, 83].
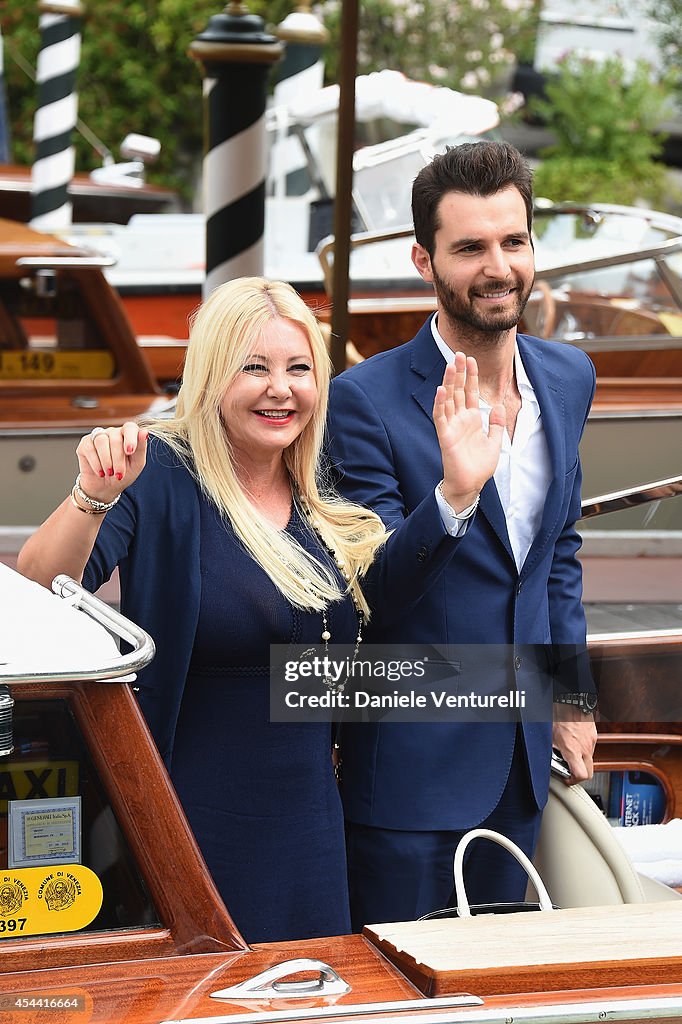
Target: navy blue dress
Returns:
[261, 797]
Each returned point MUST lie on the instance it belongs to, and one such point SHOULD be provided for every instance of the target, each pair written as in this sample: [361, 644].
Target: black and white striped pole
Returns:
[300, 75]
[236, 54]
[56, 113]
[4, 123]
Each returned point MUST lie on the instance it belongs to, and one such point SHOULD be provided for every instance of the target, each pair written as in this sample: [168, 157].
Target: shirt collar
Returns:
[523, 383]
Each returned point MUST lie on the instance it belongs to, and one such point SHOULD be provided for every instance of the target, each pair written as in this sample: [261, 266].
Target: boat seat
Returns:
[580, 860]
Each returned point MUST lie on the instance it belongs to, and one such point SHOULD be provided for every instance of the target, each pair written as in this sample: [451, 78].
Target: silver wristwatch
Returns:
[587, 702]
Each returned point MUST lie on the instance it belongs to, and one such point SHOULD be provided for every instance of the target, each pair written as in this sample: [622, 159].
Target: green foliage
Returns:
[469, 45]
[668, 15]
[135, 75]
[603, 117]
[594, 180]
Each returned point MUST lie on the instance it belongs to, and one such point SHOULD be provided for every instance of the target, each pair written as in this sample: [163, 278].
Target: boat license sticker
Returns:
[44, 832]
[48, 899]
[90, 364]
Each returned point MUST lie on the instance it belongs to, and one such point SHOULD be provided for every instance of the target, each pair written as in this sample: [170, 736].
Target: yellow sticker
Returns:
[84, 364]
[45, 900]
[36, 780]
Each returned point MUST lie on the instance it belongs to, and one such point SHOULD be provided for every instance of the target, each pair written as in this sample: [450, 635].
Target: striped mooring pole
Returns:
[56, 113]
[300, 74]
[4, 123]
[236, 54]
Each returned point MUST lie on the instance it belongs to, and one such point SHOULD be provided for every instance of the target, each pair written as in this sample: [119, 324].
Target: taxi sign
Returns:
[82, 364]
[37, 780]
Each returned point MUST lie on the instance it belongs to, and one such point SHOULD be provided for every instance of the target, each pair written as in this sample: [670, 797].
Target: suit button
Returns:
[422, 554]
[518, 588]
[517, 662]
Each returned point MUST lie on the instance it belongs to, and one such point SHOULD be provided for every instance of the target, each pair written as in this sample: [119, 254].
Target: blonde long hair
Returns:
[223, 331]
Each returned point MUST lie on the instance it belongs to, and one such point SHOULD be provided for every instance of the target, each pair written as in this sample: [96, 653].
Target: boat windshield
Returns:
[48, 332]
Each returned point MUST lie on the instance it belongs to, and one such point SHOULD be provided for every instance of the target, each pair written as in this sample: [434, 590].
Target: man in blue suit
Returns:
[411, 790]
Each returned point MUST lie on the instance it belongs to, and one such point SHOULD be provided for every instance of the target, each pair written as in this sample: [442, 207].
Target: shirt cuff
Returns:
[456, 524]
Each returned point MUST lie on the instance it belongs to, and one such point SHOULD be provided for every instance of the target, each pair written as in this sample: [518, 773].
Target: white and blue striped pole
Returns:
[56, 113]
[236, 54]
[300, 75]
[4, 123]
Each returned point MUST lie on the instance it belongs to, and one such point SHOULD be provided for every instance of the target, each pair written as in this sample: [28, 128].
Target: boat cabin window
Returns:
[48, 331]
[51, 762]
[628, 797]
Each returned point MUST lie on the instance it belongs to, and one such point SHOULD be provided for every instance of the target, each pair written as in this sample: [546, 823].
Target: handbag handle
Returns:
[463, 908]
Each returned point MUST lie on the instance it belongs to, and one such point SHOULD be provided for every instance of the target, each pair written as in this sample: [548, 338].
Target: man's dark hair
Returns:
[475, 168]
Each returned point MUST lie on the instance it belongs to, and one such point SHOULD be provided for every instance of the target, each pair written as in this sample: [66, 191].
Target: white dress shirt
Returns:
[524, 470]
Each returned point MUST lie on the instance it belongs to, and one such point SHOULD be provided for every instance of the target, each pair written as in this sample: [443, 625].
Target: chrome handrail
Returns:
[325, 248]
[631, 497]
[112, 668]
[74, 262]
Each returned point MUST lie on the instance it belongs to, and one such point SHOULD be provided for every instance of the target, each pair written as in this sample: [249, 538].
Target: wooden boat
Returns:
[68, 361]
[42, 412]
[91, 200]
[164, 948]
[609, 281]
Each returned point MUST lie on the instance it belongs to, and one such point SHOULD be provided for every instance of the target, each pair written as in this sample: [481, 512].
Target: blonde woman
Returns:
[226, 543]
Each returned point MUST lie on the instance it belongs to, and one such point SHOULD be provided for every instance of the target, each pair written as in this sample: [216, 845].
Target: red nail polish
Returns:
[129, 449]
[119, 476]
[110, 471]
[102, 473]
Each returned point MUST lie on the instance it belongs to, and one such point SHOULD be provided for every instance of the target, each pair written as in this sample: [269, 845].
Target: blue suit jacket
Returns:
[385, 451]
[153, 535]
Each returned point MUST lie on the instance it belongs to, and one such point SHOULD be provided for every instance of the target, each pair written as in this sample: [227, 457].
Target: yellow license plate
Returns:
[37, 780]
[91, 364]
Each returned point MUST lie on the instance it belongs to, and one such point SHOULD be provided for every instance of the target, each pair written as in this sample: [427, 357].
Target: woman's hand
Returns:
[111, 460]
[470, 456]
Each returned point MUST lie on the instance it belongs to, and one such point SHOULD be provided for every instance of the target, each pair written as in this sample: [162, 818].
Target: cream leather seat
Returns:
[580, 860]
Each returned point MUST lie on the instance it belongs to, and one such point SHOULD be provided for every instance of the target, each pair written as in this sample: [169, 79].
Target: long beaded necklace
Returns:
[326, 635]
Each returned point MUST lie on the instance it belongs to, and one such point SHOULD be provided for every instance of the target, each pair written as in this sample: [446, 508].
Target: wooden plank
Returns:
[580, 948]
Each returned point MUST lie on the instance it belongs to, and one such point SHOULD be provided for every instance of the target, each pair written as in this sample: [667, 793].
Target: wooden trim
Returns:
[657, 753]
[642, 766]
[107, 310]
[148, 811]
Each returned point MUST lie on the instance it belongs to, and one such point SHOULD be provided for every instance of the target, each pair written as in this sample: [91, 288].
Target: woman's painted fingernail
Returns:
[110, 471]
[119, 476]
[102, 473]
[129, 449]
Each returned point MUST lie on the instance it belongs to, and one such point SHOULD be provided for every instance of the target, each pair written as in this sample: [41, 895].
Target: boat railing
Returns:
[631, 497]
[75, 262]
[120, 668]
[659, 253]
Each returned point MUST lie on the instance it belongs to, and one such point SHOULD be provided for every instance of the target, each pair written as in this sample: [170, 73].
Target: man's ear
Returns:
[422, 262]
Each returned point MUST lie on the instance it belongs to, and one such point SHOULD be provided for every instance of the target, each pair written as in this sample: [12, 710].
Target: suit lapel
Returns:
[428, 363]
[429, 366]
[549, 392]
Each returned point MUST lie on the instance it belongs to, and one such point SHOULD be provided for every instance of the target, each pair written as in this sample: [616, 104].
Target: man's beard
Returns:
[465, 318]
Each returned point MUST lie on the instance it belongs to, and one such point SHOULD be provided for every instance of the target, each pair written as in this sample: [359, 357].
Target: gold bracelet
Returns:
[87, 511]
[93, 503]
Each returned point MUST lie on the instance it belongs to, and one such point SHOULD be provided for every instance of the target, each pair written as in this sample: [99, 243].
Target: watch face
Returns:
[590, 701]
